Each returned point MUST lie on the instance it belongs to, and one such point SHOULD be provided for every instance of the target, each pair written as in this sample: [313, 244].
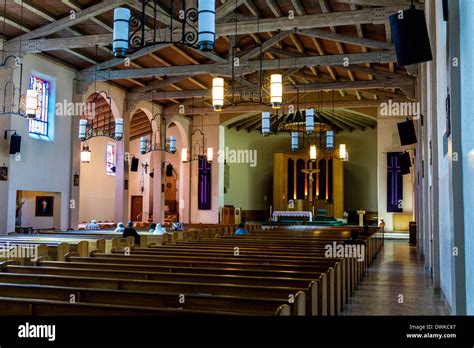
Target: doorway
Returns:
[137, 208]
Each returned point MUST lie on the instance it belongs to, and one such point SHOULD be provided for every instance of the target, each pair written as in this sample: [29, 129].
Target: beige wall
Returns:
[97, 189]
[248, 185]
[389, 141]
[29, 210]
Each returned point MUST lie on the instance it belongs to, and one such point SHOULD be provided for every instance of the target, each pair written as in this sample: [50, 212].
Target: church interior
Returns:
[236, 158]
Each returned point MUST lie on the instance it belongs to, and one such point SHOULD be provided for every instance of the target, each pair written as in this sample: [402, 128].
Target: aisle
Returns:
[396, 271]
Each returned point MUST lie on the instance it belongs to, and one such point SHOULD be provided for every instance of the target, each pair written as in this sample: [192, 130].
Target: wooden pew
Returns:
[248, 305]
[278, 292]
[40, 307]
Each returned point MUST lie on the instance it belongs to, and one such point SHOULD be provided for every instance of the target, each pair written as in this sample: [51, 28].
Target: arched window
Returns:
[291, 180]
[40, 124]
[300, 166]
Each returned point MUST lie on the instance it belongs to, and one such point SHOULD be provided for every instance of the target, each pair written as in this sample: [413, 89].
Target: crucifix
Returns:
[311, 172]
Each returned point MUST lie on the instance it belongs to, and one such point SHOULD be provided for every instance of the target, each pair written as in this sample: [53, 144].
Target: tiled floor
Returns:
[396, 271]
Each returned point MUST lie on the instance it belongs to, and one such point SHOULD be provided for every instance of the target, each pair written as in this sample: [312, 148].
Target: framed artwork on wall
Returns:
[44, 206]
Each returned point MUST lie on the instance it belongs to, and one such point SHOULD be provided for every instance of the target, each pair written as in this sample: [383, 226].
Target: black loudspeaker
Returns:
[410, 37]
[152, 175]
[134, 166]
[15, 144]
[407, 133]
[405, 163]
[445, 10]
[169, 170]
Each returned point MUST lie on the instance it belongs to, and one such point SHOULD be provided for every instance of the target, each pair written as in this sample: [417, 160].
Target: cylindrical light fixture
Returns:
[119, 129]
[266, 123]
[121, 35]
[217, 93]
[294, 141]
[276, 90]
[184, 154]
[31, 103]
[343, 155]
[82, 129]
[330, 140]
[143, 145]
[85, 154]
[206, 24]
[309, 121]
[210, 154]
[172, 144]
[313, 153]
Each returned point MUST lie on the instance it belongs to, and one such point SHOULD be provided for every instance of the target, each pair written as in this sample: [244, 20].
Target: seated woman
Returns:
[120, 228]
[152, 228]
[93, 226]
[241, 230]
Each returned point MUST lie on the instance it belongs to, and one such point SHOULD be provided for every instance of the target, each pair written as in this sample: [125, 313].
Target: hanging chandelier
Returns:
[198, 140]
[133, 32]
[91, 126]
[12, 101]
[157, 141]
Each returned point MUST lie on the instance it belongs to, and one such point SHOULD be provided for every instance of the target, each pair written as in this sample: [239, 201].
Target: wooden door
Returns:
[137, 208]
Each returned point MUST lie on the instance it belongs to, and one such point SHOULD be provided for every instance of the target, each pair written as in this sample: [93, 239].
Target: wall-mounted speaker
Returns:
[134, 165]
[407, 133]
[169, 170]
[405, 163]
[410, 37]
[15, 144]
[445, 10]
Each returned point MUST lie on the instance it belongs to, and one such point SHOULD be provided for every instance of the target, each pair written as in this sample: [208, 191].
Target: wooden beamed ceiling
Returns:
[307, 41]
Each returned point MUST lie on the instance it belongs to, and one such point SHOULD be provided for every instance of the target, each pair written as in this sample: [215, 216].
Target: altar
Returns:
[302, 186]
[306, 215]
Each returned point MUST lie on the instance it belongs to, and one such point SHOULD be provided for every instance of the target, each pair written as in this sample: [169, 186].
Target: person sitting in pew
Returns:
[152, 228]
[241, 231]
[353, 239]
[93, 226]
[131, 232]
[159, 230]
[120, 228]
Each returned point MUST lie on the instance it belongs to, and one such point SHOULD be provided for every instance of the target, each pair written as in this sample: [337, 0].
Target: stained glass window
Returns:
[39, 125]
[110, 160]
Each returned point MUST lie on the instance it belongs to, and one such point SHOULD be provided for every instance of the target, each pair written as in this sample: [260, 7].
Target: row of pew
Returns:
[201, 271]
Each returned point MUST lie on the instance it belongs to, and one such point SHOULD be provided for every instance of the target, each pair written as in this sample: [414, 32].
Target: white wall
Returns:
[44, 165]
[467, 105]
[97, 189]
[388, 141]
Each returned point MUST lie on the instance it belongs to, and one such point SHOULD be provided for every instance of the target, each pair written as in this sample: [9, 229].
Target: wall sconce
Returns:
[210, 154]
[85, 154]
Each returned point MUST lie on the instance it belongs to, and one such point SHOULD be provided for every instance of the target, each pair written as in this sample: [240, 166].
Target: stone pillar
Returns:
[5, 123]
[74, 190]
[123, 158]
